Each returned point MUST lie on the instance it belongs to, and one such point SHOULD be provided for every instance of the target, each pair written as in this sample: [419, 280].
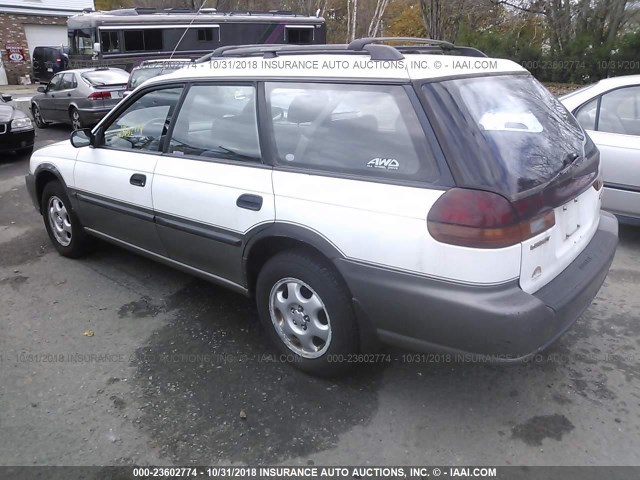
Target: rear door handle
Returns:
[249, 202]
[138, 180]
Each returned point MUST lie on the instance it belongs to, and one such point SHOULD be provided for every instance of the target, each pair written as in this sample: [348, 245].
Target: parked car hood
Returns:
[6, 112]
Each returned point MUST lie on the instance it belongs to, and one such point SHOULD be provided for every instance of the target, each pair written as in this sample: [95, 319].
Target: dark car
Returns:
[79, 97]
[16, 129]
[153, 68]
[47, 61]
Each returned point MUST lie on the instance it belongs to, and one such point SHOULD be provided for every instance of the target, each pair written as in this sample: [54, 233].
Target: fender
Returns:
[291, 231]
[51, 168]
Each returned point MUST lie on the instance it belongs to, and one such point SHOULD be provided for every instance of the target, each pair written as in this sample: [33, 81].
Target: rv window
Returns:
[205, 35]
[299, 35]
[110, 42]
[143, 40]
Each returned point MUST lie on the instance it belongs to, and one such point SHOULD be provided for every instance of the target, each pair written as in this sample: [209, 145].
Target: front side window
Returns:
[217, 121]
[143, 125]
[620, 111]
[55, 83]
[83, 41]
[369, 130]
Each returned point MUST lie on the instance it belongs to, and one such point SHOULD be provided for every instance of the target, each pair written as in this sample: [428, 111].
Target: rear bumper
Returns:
[500, 322]
[92, 116]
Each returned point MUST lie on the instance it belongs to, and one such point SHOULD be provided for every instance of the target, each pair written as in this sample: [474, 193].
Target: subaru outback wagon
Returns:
[421, 196]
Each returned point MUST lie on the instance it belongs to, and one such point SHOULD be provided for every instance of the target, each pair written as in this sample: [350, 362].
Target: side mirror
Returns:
[96, 47]
[82, 138]
[42, 90]
[6, 97]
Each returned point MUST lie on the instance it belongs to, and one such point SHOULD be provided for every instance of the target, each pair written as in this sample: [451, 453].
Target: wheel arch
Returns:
[45, 173]
[281, 237]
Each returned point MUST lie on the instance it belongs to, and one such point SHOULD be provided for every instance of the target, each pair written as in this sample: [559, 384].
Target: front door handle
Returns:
[138, 180]
[249, 202]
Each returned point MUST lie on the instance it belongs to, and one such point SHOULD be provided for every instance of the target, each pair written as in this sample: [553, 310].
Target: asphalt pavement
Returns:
[116, 360]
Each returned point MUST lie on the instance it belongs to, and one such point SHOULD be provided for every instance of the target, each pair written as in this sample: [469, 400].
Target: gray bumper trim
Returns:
[501, 321]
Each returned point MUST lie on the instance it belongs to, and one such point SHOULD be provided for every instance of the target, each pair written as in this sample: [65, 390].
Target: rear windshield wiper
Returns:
[570, 161]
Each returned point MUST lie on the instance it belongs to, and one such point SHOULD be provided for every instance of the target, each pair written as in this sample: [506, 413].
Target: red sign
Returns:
[15, 53]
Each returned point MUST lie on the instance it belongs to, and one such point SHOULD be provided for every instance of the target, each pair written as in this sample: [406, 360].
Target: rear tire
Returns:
[62, 224]
[37, 117]
[74, 116]
[306, 310]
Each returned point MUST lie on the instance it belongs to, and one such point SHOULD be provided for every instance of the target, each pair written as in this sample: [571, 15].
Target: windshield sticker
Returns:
[384, 163]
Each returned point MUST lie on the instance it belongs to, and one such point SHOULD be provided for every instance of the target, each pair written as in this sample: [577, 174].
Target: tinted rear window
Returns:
[106, 77]
[508, 132]
[142, 74]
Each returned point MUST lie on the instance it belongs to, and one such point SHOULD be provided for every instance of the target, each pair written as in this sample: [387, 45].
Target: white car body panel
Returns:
[61, 155]
[392, 227]
[107, 172]
[207, 192]
[547, 254]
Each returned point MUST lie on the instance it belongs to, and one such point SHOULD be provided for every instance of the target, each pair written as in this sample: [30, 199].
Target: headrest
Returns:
[306, 108]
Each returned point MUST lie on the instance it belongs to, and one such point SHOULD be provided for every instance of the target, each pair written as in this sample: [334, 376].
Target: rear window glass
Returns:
[355, 129]
[144, 73]
[510, 132]
[113, 76]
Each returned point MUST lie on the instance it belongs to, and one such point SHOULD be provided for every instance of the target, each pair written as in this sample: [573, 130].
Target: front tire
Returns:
[306, 310]
[74, 116]
[37, 117]
[62, 224]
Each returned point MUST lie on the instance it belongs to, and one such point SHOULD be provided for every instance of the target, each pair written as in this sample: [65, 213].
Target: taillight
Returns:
[99, 96]
[479, 219]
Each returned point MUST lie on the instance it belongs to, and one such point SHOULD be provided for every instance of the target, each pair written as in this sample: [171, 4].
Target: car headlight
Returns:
[21, 124]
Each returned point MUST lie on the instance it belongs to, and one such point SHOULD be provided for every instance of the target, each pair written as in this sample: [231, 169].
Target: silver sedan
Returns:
[610, 113]
[79, 97]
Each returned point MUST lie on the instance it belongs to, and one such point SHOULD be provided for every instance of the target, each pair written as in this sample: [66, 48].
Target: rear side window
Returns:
[369, 130]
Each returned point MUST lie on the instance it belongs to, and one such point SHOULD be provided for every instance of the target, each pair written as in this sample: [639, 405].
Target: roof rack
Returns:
[371, 46]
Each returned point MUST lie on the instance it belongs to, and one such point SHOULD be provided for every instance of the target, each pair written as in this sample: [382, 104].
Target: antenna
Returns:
[187, 29]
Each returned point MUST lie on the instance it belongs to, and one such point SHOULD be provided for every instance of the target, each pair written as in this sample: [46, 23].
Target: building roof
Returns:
[45, 7]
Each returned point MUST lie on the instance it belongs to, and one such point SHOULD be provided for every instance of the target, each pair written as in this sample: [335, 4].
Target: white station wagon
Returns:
[423, 196]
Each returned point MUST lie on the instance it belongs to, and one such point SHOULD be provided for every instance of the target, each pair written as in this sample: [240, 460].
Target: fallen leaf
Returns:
[88, 333]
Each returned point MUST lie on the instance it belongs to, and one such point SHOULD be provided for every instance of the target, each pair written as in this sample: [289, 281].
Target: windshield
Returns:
[521, 136]
[113, 76]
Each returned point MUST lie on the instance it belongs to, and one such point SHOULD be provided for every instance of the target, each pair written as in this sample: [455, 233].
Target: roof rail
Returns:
[368, 46]
[360, 43]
